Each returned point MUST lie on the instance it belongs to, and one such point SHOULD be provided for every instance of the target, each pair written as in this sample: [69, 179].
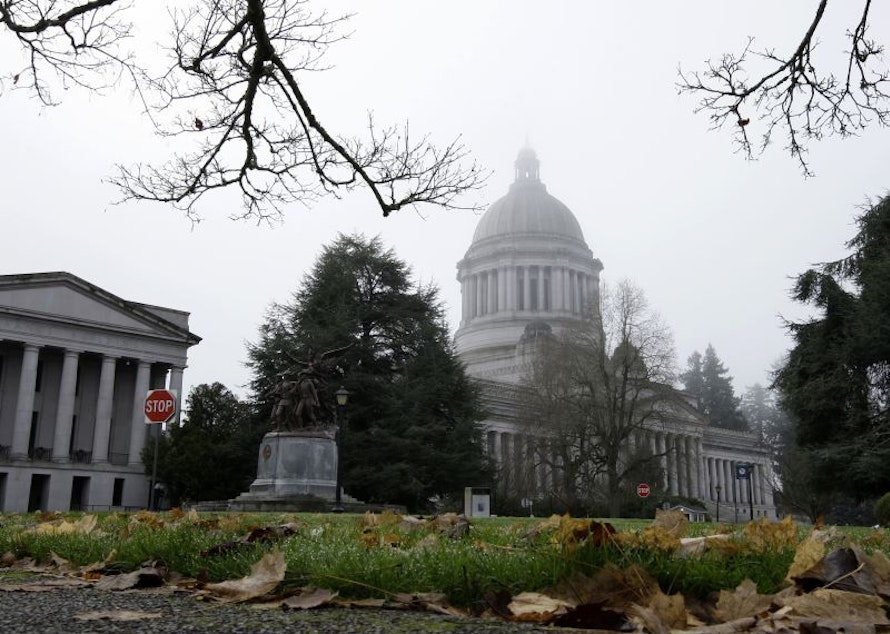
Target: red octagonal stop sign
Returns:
[643, 490]
[160, 406]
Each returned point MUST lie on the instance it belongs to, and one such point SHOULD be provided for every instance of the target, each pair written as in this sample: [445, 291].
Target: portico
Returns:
[75, 365]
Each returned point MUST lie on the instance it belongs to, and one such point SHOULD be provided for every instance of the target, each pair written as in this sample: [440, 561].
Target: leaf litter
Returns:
[844, 589]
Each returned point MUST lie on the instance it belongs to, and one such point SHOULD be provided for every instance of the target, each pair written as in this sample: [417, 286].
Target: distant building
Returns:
[75, 365]
[529, 272]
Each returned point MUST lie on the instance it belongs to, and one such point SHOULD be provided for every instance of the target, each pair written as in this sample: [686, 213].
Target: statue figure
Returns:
[303, 403]
[285, 391]
[308, 395]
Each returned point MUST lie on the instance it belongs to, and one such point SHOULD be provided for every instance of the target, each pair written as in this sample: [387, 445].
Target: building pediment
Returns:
[46, 298]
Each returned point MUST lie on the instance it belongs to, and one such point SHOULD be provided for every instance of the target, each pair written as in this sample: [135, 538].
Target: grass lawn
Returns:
[377, 556]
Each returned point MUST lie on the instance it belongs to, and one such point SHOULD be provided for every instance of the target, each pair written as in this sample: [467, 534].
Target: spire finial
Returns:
[527, 165]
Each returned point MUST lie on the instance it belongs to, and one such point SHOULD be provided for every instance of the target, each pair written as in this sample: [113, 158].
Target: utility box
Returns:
[477, 502]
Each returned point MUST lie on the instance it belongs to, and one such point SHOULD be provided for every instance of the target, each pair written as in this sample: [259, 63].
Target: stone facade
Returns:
[529, 269]
[75, 365]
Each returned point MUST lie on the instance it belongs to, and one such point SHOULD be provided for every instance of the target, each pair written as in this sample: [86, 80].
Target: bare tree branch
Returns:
[793, 95]
[232, 93]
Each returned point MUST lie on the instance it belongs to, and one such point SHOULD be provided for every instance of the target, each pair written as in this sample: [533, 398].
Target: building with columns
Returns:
[75, 365]
[529, 271]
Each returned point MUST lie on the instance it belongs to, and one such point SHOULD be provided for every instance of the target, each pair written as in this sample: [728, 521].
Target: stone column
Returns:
[672, 464]
[556, 285]
[24, 404]
[102, 429]
[502, 288]
[65, 412]
[662, 450]
[527, 289]
[138, 429]
[700, 475]
[691, 481]
[176, 385]
[511, 288]
[493, 291]
[477, 279]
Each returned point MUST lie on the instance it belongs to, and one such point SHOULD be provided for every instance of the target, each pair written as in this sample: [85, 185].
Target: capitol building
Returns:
[529, 270]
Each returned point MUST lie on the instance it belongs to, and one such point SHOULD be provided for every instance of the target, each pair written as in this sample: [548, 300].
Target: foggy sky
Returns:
[713, 240]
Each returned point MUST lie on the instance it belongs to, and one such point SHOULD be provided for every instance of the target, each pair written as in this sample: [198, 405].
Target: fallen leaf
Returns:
[763, 534]
[674, 523]
[117, 615]
[536, 607]
[808, 554]
[741, 602]
[85, 525]
[591, 616]
[838, 604]
[310, 598]
[670, 609]
[264, 576]
[427, 601]
[142, 578]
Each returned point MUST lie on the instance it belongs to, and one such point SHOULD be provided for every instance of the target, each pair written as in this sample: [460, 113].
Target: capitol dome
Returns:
[528, 209]
[528, 263]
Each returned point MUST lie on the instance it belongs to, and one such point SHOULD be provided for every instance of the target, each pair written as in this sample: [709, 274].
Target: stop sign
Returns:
[160, 406]
[643, 490]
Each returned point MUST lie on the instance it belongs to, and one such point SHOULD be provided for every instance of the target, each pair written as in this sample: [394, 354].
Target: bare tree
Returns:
[233, 92]
[792, 94]
[592, 391]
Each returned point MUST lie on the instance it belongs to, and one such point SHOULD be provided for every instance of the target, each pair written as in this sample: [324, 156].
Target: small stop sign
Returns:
[643, 490]
[160, 406]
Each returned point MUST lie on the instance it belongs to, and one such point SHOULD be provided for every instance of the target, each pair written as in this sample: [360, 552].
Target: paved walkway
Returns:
[63, 610]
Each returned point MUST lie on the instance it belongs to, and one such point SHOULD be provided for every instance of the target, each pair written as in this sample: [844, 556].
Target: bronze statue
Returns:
[303, 403]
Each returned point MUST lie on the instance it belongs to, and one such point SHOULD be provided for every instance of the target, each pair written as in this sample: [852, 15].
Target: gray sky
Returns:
[712, 239]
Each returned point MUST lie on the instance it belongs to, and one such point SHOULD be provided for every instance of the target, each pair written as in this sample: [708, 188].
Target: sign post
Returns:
[643, 490]
[160, 408]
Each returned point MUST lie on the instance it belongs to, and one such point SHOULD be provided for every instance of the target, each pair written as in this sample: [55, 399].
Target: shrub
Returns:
[882, 510]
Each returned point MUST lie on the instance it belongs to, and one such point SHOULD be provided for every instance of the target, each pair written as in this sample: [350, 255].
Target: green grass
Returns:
[332, 552]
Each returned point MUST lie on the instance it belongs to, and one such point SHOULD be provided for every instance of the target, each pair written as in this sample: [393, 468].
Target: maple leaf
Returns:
[264, 576]
[741, 602]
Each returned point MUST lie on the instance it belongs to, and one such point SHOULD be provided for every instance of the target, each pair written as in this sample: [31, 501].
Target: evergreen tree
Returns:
[707, 380]
[693, 378]
[835, 383]
[719, 401]
[413, 414]
[211, 455]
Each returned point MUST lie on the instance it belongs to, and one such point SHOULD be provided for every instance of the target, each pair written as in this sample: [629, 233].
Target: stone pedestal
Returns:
[296, 470]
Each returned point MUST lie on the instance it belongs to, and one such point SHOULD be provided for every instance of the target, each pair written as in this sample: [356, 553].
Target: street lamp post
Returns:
[718, 488]
[342, 395]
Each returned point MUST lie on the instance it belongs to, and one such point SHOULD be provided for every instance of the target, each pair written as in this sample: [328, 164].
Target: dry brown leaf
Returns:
[674, 523]
[142, 578]
[117, 615]
[838, 605]
[763, 534]
[85, 525]
[697, 545]
[808, 554]
[7, 559]
[617, 587]
[536, 607]
[308, 599]
[386, 518]
[741, 602]
[427, 601]
[670, 609]
[45, 585]
[264, 576]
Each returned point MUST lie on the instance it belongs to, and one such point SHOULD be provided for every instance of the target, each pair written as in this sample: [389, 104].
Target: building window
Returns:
[38, 496]
[117, 494]
[80, 487]
[38, 380]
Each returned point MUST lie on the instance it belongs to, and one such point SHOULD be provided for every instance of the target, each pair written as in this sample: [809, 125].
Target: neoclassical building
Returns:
[529, 268]
[75, 365]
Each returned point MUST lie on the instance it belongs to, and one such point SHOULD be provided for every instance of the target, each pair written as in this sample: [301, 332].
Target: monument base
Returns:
[297, 471]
